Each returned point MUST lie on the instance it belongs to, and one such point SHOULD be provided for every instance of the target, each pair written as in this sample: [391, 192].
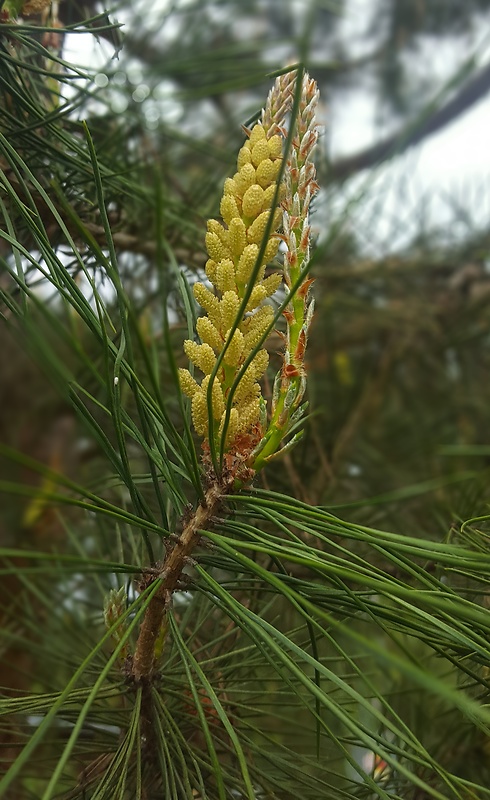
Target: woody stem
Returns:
[173, 566]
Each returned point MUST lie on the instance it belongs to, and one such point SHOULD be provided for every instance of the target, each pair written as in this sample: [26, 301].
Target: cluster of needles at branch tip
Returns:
[228, 408]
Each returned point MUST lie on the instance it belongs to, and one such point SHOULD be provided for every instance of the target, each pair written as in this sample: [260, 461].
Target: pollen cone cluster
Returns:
[235, 271]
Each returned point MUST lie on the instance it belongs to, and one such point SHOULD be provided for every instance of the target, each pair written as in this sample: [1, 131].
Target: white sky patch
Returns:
[87, 51]
[461, 150]
[448, 168]
[356, 27]
[443, 183]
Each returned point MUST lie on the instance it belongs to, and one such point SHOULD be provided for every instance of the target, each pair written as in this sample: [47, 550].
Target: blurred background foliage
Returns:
[398, 361]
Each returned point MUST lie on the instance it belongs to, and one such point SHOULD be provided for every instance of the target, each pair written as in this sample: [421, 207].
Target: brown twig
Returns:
[177, 557]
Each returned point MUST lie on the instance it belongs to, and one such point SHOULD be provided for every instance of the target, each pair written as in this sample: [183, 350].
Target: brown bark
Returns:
[176, 559]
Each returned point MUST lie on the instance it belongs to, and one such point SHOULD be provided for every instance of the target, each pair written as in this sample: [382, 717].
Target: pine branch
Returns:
[177, 558]
[77, 225]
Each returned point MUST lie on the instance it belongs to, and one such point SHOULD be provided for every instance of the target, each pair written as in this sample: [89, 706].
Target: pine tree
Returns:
[191, 608]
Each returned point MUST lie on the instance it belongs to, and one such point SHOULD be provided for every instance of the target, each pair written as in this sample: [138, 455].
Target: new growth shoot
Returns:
[228, 408]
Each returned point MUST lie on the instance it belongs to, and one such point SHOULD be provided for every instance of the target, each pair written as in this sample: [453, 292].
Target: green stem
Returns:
[291, 386]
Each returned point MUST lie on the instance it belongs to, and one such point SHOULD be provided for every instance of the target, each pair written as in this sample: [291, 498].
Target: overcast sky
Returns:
[450, 169]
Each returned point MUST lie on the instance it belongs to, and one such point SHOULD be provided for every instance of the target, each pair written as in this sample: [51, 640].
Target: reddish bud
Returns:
[290, 371]
[303, 289]
[299, 353]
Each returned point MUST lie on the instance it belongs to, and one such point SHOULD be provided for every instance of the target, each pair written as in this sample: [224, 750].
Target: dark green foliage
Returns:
[339, 608]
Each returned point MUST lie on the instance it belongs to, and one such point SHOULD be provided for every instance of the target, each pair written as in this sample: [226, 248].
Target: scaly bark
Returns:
[177, 557]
